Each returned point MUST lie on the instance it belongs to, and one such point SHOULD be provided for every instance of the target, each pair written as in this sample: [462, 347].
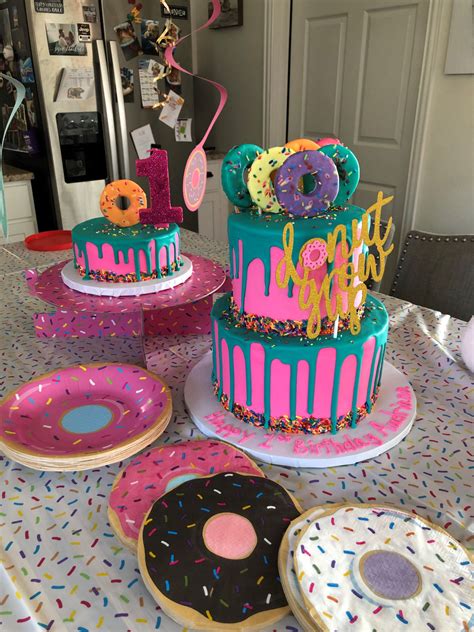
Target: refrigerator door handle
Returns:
[122, 121]
[108, 109]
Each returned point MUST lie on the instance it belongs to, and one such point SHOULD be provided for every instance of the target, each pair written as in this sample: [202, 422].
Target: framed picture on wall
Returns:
[232, 14]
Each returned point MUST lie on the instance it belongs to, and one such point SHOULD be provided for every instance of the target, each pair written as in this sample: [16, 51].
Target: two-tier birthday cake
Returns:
[298, 345]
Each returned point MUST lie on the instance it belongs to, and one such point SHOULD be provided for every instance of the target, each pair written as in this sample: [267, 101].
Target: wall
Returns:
[445, 202]
[233, 57]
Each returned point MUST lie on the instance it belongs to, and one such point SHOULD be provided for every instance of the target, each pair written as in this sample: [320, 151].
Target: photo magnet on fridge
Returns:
[89, 13]
[63, 39]
[150, 32]
[128, 40]
[126, 75]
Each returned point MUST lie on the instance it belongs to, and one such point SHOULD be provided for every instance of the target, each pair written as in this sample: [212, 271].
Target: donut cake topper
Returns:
[160, 470]
[208, 551]
[160, 214]
[380, 567]
[195, 171]
[304, 178]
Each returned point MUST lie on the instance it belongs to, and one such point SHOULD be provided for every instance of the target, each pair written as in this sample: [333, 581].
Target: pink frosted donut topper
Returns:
[83, 410]
[194, 179]
[322, 142]
[160, 470]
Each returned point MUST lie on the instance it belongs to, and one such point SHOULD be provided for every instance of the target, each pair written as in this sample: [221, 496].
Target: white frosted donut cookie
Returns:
[259, 181]
[379, 568]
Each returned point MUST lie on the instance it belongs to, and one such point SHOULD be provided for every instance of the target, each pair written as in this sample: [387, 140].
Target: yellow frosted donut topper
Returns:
[259, 183]
[133, 198]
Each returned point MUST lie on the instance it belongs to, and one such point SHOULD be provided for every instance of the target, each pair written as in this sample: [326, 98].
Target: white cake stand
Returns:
[381, 430]
[73, 280]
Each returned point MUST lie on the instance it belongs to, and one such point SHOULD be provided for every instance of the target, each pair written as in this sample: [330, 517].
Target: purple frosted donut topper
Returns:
[326, 180]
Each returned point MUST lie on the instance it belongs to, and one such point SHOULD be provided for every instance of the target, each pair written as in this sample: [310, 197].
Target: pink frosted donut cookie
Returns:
[160, 470]
[322, 142]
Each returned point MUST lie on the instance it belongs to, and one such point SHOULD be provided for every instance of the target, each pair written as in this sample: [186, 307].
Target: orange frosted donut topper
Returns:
[125, 190]
[302, 144]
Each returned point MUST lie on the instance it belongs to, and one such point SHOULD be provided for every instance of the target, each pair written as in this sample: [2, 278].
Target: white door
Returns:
[355, 67]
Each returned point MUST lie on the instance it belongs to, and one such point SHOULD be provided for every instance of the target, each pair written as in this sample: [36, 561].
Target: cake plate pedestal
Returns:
[388, 423]
[184, 309]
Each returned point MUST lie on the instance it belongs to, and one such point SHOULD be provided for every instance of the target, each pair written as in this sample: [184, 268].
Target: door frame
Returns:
[276, 68]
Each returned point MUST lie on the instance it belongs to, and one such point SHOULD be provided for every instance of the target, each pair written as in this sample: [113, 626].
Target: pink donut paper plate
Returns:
[154, 473]
[84, 416]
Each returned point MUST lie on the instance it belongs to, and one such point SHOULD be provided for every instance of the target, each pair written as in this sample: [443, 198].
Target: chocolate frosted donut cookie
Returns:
[208, 551]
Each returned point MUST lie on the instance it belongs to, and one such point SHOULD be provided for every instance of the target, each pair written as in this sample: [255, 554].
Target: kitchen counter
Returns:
[15, 174]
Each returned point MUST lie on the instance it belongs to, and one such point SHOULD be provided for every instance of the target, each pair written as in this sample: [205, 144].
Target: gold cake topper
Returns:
[351, 276]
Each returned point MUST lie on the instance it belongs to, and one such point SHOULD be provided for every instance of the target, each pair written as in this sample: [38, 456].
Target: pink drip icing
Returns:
[107, 261]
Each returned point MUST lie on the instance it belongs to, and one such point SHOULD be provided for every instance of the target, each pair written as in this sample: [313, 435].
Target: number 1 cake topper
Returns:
[195, 172]
[155, 168]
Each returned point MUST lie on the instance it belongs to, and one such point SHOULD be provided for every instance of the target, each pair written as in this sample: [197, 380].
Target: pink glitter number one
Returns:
[155, 168]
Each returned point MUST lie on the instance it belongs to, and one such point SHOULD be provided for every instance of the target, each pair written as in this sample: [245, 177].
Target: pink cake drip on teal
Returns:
[81, 409]
[280, 382]
[256, 249]
[275, 376]
[108, 252]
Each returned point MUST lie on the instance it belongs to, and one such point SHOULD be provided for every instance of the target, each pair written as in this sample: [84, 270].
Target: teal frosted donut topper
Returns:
[236, 162]
[260, 183]
[326, 183]
[348, 169]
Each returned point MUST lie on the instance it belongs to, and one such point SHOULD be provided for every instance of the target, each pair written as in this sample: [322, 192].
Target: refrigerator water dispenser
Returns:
[81, 140]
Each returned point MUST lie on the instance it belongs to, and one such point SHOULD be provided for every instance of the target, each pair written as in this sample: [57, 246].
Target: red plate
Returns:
[49, 240]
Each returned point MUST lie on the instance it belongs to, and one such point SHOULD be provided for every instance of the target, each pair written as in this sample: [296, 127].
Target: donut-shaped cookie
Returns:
[234, 166]
[160, 470]
[348, 169]
[329, 140]
[326, 181]
[126, 189]
[260, 185]
[208, 551]
[378, 567]
[302, 144]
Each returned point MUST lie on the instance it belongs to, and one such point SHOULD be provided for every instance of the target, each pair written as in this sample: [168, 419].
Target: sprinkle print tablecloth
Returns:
[62, 568]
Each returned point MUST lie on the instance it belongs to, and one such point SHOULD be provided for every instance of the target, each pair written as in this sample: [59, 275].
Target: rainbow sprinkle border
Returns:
[112, 277]
[300, 425]
[266, 325]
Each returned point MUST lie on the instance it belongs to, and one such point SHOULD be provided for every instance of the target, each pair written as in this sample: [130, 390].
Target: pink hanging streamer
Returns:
[174, 64]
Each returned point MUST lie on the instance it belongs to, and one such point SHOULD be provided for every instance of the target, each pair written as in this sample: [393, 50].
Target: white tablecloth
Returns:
[62, 568]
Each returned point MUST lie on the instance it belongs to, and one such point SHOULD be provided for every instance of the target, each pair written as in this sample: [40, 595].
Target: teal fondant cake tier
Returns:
[107, 252]
[256, 249]
[293, 383]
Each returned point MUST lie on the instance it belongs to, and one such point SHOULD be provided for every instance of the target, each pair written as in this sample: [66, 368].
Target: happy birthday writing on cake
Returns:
[351, 275]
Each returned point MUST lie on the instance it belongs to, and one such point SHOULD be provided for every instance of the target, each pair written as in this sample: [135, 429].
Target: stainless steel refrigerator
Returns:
[88, 132]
